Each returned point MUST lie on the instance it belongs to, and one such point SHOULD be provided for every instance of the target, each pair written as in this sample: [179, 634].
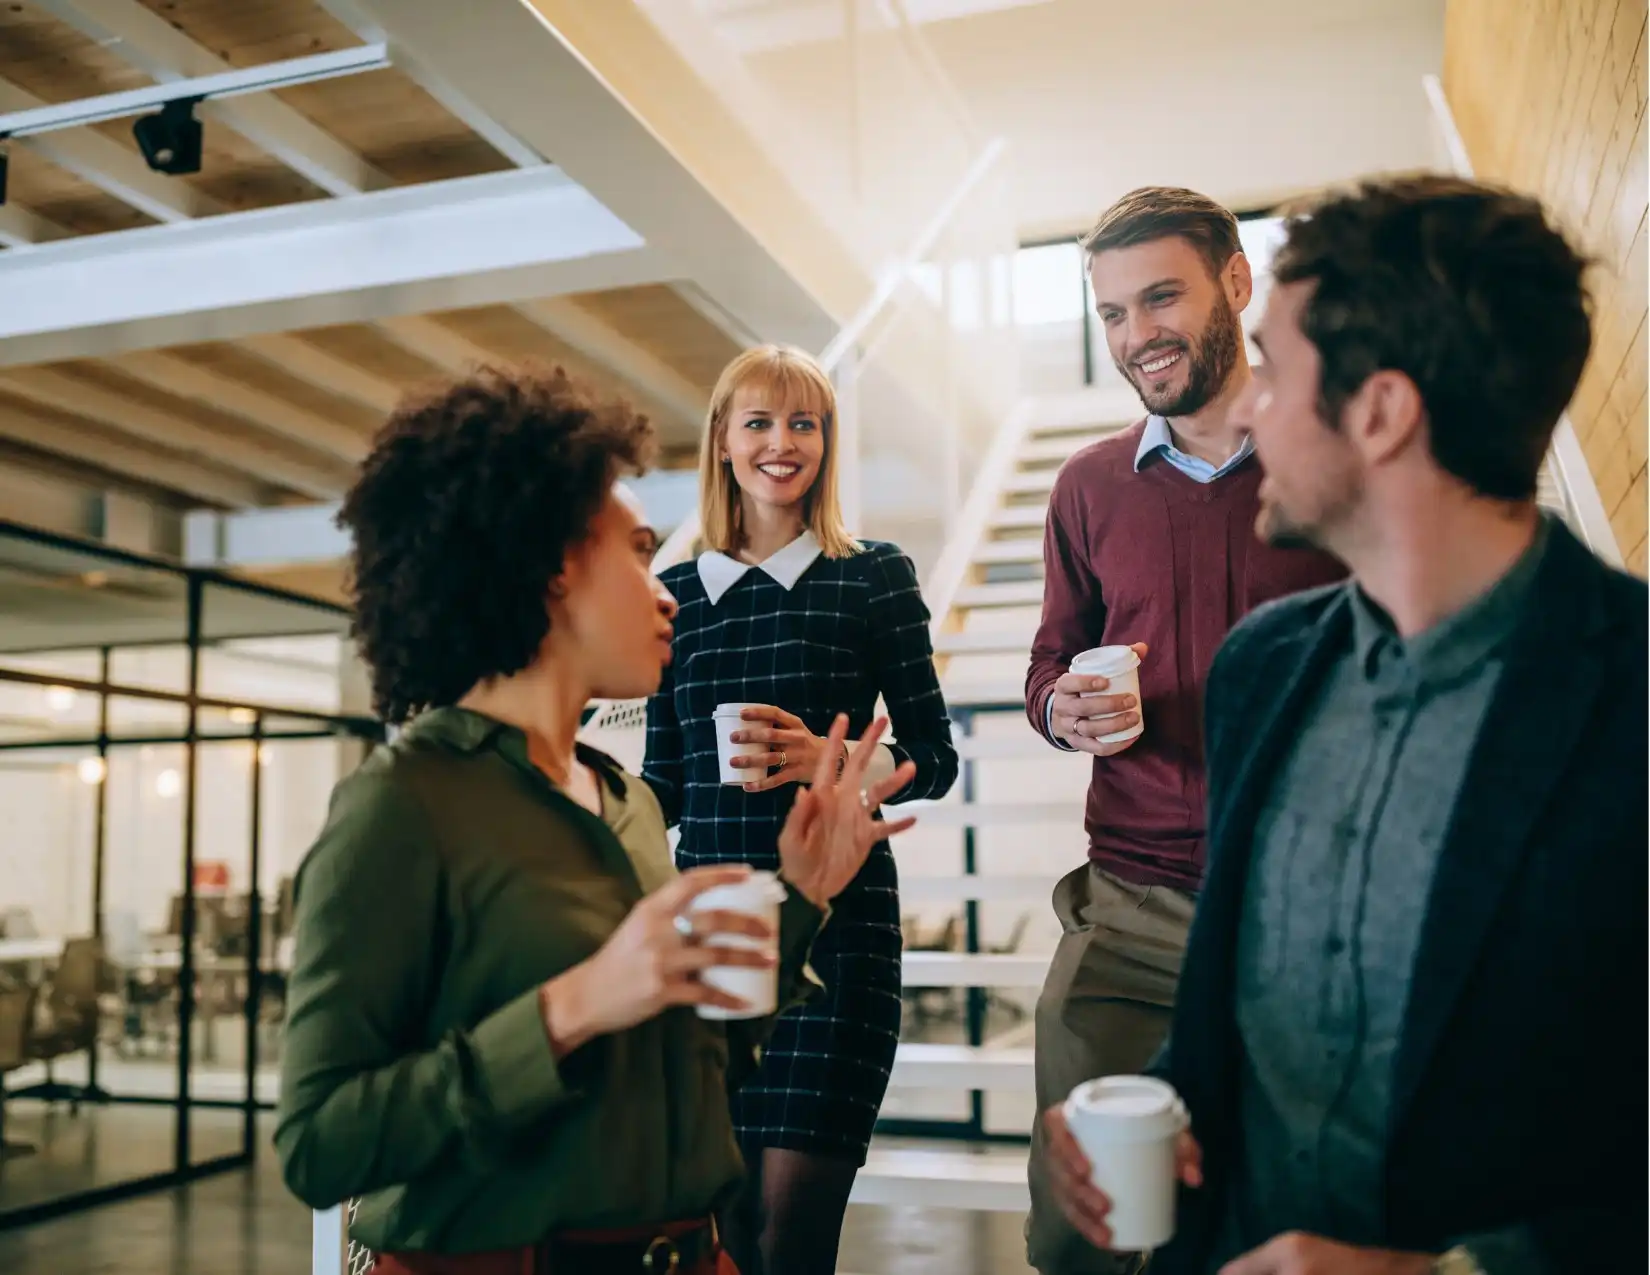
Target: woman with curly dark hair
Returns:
[492, 1038]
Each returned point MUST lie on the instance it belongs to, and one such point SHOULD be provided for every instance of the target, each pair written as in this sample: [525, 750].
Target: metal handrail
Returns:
[1569, 461]
[888, 286]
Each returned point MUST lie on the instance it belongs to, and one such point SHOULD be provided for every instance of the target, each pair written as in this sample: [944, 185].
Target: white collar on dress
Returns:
[719, 572]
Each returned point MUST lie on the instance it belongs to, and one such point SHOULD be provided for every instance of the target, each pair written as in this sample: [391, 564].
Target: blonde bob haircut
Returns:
[796, 383]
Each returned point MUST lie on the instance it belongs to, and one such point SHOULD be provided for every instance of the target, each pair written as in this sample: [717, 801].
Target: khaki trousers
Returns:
[1104, 1010]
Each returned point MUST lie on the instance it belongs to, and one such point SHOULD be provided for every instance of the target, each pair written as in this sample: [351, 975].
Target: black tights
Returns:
[788, 1218]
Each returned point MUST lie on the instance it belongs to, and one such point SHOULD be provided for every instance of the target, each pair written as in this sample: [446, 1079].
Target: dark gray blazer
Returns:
[1520, 1093]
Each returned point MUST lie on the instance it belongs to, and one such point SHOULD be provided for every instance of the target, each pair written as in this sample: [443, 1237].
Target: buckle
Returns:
[662, 1255]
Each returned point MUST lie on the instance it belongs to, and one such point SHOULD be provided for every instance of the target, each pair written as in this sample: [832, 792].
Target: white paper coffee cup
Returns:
[760, 894]
[1120, 666]
[1127, 1127]
[727, 720]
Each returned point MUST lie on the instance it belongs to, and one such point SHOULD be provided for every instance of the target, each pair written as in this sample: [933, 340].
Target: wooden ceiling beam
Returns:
[66, 393]
[461, 107]
[47, 433]
[297, 357]
[176, 375]
[621, 357]
[153, 45]
[434, 342]
[19, 227]
[110, 167]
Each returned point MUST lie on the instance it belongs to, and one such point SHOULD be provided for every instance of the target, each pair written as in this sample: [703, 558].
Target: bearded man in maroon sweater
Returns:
[1150, 543]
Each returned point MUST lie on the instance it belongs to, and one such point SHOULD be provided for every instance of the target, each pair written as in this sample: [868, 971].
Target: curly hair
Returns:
[1466, 288]
[462, 515]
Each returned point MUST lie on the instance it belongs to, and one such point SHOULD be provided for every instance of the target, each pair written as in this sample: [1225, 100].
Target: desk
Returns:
[16, 951]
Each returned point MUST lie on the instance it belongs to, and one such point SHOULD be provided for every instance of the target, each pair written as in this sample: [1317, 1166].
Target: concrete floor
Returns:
[245, 1223]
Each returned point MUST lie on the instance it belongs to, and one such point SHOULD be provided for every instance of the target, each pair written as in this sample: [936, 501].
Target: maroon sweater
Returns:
[1160, 558]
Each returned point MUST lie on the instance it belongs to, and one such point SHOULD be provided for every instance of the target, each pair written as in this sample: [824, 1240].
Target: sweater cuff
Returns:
[799, 924]
[1048, 723]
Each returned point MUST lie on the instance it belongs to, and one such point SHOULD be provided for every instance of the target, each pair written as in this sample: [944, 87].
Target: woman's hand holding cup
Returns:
[787, 753]
[654, 961]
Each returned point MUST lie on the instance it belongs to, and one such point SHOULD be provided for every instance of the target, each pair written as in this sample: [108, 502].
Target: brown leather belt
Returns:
[671, 1248]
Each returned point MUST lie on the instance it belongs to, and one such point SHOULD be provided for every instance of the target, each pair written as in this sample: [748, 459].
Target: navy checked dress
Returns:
[844, 632]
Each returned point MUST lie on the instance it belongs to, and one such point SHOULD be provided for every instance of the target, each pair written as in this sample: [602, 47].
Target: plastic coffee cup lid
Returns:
[731, 710]
[1106, 661]
[760, 889]
[1126, 1109]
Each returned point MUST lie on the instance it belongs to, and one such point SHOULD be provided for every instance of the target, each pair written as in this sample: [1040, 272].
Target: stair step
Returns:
[1015, 641]
[973, 969]
[993, 1182]
[925, 1066]
[1023, 549]
[1083, 423]
[994, 693]
[1010, 593]
[1030, 482]
[970, 887]
[1020, 517]
[993, 814]
[1058, 448]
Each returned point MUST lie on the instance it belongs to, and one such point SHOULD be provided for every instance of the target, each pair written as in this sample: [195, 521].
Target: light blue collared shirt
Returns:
[1157, 437]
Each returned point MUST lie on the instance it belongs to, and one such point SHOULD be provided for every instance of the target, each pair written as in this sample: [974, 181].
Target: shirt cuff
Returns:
[519, 1077]
[881, 766]
[799, 924]
[1048, 726]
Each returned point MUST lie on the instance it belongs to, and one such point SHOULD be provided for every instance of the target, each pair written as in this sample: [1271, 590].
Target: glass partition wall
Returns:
[168, 742]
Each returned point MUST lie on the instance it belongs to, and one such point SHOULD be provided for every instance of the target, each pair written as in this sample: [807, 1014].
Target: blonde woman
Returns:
[789, 613]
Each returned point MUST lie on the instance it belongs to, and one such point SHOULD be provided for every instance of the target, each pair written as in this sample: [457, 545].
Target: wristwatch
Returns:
[1458, 1261]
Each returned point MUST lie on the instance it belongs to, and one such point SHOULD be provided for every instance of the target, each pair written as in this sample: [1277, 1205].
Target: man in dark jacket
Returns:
[1410, 1029]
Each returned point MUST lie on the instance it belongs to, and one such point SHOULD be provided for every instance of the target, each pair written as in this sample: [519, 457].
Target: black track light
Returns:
[171, 140]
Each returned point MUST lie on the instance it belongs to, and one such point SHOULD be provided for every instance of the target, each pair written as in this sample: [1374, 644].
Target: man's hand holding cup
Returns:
[1095, 713]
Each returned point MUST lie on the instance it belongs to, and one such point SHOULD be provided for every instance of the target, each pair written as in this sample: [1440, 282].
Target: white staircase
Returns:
[1015, 818]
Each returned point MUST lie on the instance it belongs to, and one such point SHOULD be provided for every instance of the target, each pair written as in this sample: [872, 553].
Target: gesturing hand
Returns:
[648, 964]
[832, 826]
[1079, 713]
[791, 747]
[1085, 1205]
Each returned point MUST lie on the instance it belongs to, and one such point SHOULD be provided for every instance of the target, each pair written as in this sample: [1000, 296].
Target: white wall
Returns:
[1245, 102]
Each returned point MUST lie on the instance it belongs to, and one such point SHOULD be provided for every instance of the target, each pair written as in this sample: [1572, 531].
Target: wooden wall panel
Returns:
[1549, 96]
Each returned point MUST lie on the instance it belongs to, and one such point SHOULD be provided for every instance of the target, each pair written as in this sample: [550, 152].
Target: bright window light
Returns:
[1048, 284]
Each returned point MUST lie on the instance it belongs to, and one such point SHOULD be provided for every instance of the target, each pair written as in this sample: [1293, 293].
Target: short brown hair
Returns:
[1469, 290]
[1156, 212]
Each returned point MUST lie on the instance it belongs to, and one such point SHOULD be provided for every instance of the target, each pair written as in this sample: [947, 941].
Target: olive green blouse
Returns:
[451, 880]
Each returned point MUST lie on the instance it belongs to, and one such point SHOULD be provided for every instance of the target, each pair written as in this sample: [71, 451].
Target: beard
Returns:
[1211, 356]
[1332, 507]
[1274, 527]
